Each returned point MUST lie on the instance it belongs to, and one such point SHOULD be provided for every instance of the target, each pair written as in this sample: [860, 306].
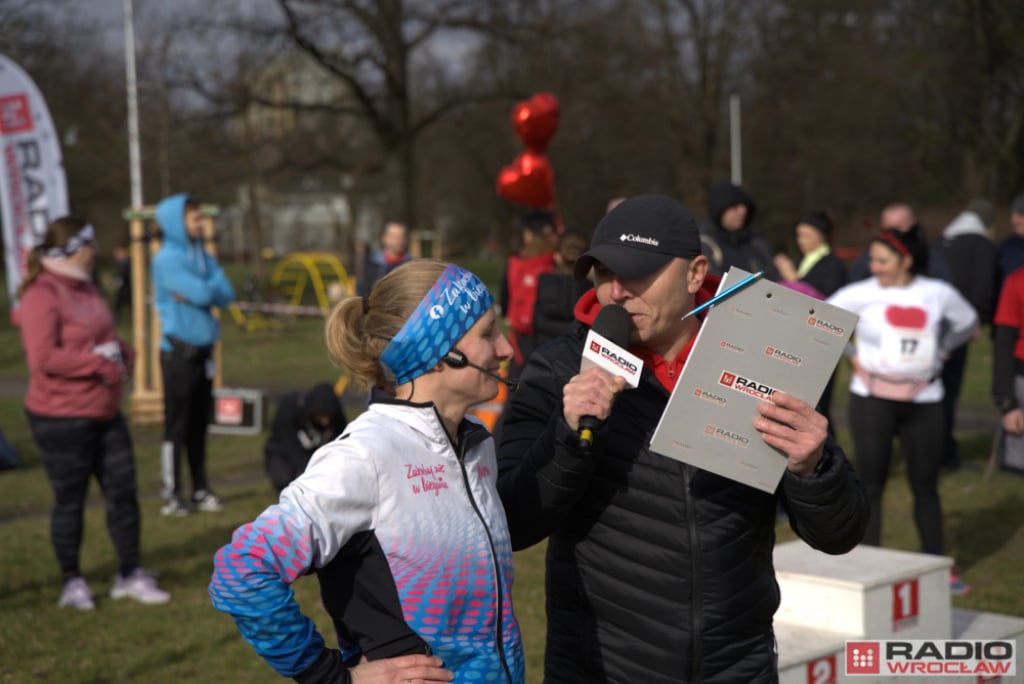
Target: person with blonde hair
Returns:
[399, 517]
[77, 369]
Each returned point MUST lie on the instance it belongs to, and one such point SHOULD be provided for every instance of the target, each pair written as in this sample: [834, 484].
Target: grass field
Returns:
[189, 641]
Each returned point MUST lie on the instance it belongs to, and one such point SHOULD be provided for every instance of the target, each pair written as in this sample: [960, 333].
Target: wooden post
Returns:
[138, 256]
[210, 243]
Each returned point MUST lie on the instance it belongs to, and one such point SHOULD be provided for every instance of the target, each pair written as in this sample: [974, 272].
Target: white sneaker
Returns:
[141, 587]
[205, 500]
[174, 507]
[76, 594]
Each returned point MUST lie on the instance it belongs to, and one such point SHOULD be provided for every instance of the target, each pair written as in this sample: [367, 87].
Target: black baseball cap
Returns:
[641, 235]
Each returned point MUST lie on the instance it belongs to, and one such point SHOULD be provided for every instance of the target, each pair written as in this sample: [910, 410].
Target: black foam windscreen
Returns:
[612, 323]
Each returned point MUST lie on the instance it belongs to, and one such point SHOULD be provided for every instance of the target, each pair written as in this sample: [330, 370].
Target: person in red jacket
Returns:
[77, 367]
[518, 293]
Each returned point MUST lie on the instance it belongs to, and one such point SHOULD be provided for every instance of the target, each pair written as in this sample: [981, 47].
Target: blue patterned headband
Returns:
[456, 301]
[84, 236]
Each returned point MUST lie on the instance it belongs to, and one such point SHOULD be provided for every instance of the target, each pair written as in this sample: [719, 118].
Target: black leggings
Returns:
[187, 401]
[72, 450]
[873, 424]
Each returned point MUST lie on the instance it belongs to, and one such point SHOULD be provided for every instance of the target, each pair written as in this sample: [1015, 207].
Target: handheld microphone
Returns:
[605, 346]
[456, 359]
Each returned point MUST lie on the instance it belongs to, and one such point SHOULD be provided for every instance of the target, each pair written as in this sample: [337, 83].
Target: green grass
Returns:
[189, 641]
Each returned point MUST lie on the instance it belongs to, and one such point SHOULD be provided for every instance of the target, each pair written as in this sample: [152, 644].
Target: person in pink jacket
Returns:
[77, 368]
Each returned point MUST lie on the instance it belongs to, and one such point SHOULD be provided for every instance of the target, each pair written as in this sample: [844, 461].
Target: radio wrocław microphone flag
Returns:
[33, 190]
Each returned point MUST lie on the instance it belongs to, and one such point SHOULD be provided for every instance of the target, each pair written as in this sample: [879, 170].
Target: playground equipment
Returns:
[147, 400]
[302, 274]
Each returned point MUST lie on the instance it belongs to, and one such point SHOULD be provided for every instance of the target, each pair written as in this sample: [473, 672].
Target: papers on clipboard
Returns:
[762, 339]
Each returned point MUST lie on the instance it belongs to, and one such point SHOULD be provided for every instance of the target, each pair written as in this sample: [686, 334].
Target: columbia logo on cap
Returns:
[632, 237]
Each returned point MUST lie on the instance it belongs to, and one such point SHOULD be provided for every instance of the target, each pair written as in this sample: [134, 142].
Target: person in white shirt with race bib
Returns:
[908, 323]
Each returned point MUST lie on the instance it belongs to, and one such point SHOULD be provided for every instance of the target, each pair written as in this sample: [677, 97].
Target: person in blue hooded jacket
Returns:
[187, 283]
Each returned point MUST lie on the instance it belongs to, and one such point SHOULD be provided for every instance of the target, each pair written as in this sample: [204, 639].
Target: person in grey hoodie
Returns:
[973, 262]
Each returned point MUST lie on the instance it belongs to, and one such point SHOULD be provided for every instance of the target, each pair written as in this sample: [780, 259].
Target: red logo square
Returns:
[769, 351]
[229, 410]
[595, 346]
[15, 115]
[696, 392]
[709, 429]
[727, 378]
[811, 320]
[863, 657]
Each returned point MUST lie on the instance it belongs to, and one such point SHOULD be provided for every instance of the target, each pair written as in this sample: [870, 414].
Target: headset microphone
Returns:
[456, 359]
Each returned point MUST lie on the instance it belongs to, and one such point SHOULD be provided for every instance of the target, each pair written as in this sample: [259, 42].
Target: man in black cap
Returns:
[656, 571]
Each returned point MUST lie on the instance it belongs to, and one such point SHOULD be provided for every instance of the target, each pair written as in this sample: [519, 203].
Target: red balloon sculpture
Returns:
[536, 120]
[530, 179]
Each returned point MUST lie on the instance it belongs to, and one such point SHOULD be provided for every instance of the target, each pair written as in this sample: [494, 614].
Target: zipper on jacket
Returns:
[500, 634]
[696, 602]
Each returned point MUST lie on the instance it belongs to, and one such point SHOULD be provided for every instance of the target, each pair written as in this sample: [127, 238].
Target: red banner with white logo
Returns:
[33, 190]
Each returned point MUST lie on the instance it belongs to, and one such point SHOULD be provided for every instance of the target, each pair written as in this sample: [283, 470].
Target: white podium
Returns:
[874, 594]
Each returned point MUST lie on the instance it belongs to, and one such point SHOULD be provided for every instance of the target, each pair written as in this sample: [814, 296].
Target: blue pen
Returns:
[722, 295]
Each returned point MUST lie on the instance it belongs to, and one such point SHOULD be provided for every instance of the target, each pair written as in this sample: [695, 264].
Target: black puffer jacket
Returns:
[656, 572]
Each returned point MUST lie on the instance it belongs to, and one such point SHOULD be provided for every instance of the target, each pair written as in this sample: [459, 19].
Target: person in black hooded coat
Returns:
[304, 421]
[727, 236]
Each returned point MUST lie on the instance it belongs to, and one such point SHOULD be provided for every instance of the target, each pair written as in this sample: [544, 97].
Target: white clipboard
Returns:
[764, 338]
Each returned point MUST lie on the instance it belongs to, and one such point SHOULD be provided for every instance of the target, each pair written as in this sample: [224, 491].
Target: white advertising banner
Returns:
[33, 190]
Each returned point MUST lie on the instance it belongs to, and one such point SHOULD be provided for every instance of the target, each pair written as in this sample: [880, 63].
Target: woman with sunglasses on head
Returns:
[399, 517]
[77, 369]
[908, 324]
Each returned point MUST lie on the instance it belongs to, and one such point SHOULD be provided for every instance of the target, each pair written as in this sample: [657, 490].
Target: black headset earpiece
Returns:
[455, 359]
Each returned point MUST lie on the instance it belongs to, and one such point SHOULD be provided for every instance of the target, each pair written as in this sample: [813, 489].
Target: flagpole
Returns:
[134, 160]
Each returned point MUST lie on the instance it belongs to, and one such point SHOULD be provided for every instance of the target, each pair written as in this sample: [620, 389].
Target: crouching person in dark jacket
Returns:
[657, 572]
[304, 422]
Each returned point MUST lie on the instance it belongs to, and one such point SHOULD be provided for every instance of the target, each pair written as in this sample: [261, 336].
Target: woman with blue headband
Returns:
[399, 517]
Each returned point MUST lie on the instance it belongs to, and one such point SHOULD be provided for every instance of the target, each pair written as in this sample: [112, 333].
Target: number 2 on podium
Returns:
[822, 670]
